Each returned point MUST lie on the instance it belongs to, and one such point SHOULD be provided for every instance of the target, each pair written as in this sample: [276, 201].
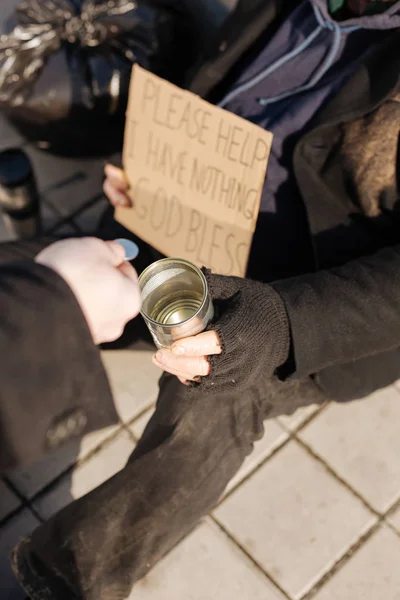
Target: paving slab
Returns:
[372, 573]
[273, 437]
[205, 566]
[66, 183]
[294, 421]
[88, 220]
[31, 480]
[5, 234]
[361, 441]
[133, 379]
[9, 502]
[294, 518]
[17, 527]
[9, 137]
[394, 519]
[90, 474]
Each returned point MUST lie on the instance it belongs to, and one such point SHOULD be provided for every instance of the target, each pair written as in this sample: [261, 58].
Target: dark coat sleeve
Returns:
[53, 384]
[344, 314]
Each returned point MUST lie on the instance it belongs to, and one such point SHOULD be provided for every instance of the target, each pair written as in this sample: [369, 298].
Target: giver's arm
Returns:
[53, 385]
[344, 314]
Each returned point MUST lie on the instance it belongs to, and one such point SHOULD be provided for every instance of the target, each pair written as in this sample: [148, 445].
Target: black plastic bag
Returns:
[65, 68]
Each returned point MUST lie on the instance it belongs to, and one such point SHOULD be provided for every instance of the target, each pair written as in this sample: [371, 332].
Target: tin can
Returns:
[19, 197]
[175, 300]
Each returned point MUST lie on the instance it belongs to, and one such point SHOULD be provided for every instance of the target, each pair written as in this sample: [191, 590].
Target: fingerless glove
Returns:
[253, 328]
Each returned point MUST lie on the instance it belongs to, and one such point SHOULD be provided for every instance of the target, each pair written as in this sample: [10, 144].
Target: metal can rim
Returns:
[203, 280]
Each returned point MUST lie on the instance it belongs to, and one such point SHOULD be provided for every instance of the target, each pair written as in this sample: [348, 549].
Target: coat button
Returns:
[70, 426]
[223, 46]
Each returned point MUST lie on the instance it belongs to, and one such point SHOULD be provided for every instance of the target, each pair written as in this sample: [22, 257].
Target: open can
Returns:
[19, 196]
[175, 300]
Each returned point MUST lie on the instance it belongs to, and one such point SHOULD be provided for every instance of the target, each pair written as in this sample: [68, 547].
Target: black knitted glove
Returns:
[253, 328]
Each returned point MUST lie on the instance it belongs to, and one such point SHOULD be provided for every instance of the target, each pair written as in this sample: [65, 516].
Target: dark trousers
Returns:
[100, 545]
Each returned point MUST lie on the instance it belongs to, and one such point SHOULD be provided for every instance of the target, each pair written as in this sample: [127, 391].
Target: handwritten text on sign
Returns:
[196, 174]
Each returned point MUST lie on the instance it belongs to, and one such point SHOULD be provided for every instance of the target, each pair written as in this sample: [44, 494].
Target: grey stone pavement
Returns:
[314, 512]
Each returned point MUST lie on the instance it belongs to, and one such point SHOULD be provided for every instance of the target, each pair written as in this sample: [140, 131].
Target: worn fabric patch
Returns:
[369, 149]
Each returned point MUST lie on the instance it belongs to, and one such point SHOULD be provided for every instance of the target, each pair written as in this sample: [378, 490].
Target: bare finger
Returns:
[179, 374]
[119, 186]
[116, 197]
[204, 344]
[128, 271]
[118, 253]
[115, 173]
[197, 365]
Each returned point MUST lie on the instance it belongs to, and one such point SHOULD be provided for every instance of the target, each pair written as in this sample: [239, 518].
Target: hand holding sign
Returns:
[116, 186]
[195, 174]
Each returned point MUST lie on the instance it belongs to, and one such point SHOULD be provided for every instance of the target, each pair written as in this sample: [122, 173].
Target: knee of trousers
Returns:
[199, 420]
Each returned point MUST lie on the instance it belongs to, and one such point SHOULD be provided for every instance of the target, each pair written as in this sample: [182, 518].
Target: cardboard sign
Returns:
[196, 174]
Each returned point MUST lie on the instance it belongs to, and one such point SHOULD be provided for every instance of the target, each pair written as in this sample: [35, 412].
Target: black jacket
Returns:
[345, 321]
[53, 385]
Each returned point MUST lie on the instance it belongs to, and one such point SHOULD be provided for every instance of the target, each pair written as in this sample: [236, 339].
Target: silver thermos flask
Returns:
[19, 197]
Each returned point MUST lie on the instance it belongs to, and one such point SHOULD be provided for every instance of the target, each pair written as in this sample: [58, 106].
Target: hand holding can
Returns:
[175, 300]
